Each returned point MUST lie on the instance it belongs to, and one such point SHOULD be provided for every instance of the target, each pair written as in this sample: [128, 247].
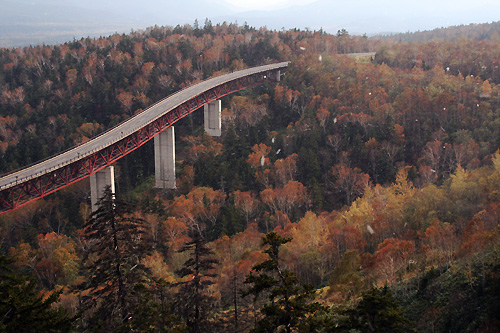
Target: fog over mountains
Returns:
[25, 22]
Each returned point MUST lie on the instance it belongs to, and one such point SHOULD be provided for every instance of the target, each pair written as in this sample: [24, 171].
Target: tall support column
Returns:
[213, 118]
[278, 76]
[165, 159]
[98, 182]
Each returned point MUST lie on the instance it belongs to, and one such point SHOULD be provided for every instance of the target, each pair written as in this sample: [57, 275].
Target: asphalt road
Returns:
[126, 128]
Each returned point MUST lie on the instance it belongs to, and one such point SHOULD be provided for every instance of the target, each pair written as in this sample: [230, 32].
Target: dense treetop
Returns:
[380, 171]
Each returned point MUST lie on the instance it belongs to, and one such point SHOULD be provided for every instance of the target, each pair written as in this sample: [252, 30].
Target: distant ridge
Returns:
[482, 31]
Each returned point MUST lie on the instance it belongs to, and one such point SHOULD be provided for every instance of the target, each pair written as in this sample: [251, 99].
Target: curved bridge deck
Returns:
[45, 177]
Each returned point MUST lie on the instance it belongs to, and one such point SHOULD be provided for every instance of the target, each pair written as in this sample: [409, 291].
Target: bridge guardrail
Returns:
[253, 70]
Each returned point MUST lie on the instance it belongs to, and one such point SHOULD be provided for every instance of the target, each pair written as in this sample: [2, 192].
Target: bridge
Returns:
[95, 157]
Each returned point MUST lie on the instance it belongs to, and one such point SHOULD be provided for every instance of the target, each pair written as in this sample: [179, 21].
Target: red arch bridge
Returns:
[94, 158]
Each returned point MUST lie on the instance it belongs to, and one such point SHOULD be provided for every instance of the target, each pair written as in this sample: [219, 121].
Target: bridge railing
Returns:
[255, 70]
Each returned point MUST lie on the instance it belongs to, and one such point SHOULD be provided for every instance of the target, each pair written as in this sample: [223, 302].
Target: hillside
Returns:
[367, 173]
[454, 33]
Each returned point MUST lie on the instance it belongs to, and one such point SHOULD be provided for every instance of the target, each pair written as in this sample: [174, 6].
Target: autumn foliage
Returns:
[377, 171]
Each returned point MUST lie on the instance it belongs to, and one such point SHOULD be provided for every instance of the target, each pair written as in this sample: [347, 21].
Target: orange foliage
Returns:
[54, 261]
[198, 207]
[391, 258]
[442, 242]
[475, 236]
[126, 99]
[351, 182]
[259, 156]
[285, 170]
[202, 147]
[147, 68]
[322, 116]
[245, 202]
[247, 112]
[284, 199]
[341, 239]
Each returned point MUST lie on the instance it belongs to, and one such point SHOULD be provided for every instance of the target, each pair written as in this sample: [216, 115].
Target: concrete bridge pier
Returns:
[165, 159]
[212, 113]
[98, 182]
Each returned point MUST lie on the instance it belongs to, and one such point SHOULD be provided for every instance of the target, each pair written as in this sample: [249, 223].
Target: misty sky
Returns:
[64, 19]
[386, 15]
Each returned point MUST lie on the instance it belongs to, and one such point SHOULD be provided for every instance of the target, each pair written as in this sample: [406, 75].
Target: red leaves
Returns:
[391, 258]
[284, 199]
[394, 249]
[351, 182]
[442, 242]
[198, 207]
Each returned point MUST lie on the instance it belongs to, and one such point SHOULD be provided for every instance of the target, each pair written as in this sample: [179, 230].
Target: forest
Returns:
[357, 194]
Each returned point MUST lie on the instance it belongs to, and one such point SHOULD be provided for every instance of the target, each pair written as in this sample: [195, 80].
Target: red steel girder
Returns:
[38, 186]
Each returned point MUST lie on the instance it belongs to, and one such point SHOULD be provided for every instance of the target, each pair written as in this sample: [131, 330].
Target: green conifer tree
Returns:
[22, 309]
[193, 302]
[378, 311]
[290, 305]
[115, 246]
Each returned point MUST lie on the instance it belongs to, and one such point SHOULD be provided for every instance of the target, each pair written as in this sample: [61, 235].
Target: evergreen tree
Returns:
[193, 302]
[289, 306]
[116, 245]
[378, 311]
[22, 309]
[346, 277]
[153, 313]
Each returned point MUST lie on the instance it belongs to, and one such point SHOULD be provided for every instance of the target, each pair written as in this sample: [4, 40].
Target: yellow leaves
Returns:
[496, 161]
[23, 254]
[402, 186]
[55, 257]
[85, 132]
[88, 129]
[63, 254]
[359, 214]
[310, 231]
[158, 267]
[458, 181]
[61, 250]
[380, 208]
[486, 89]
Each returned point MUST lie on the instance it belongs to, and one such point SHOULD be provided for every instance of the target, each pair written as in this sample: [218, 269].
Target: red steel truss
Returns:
[29, 190]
